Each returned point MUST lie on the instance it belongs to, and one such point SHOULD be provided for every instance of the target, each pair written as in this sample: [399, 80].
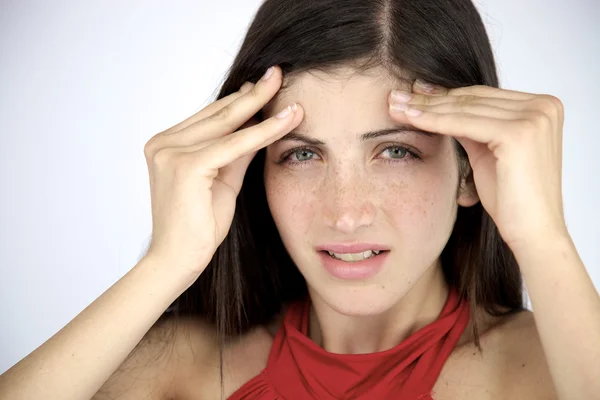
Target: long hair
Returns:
[251, 275]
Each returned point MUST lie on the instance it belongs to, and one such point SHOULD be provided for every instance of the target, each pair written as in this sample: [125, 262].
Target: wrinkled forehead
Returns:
[343, 86]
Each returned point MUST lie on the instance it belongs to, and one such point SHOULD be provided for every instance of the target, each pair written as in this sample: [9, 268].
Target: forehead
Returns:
[336, 91]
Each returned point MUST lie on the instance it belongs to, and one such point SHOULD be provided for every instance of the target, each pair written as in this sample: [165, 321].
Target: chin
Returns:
[356, 300]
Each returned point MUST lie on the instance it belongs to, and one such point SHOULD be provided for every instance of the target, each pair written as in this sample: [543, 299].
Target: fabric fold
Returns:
[297, 368]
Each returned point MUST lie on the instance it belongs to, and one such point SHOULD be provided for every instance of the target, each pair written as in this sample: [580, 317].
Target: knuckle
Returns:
[254, 92]
[464, 101]
[222, 114]
[231, 140]
[558, 104]
[224, 118]
[163, 157]
[533, 123]
[541, 102]
[554, 104]
[542, 120]
[548, 104]
[148, 149]
[178, 163]
[151, 146]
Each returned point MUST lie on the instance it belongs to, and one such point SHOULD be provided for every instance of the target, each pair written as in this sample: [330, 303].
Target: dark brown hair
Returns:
[251, 275]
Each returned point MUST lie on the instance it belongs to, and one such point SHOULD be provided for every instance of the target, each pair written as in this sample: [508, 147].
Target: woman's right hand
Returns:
[196, 171]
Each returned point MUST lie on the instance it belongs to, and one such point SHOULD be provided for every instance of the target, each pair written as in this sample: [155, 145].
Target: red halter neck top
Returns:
[297, 368]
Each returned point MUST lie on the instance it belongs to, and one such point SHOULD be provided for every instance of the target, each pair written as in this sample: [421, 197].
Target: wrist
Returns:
[165, 272]
[549, 246]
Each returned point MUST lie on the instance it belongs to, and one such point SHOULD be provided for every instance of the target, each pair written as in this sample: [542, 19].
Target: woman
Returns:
[340, 229]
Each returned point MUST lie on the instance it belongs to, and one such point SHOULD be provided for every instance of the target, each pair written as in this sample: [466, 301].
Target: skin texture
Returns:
[348, 190]
[514, 143]
[343, 191]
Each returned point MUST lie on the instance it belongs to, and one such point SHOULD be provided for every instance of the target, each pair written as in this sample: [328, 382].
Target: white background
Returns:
[84, 85]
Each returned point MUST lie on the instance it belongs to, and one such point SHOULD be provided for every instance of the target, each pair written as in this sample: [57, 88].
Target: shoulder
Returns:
[178, 359]
[148, 371]
[517, 349]
[198, 360]
[511, 365]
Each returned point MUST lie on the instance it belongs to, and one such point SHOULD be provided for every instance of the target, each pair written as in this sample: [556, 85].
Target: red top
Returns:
[298, 368]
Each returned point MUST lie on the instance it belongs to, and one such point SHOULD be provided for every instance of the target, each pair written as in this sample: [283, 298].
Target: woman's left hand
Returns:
[514, 144]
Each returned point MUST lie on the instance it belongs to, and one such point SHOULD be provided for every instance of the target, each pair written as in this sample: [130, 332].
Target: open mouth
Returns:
[355, 257]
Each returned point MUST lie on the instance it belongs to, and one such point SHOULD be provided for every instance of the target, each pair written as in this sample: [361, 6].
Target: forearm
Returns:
[77, 360]
[566, 308]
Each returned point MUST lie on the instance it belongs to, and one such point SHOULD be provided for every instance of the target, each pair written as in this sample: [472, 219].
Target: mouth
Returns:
[356, 262]
[354, 257]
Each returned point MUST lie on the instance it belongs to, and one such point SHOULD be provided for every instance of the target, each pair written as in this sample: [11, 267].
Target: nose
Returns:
[347, 204]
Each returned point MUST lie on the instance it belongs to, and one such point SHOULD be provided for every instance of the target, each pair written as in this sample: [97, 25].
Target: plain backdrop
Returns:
[84, 85]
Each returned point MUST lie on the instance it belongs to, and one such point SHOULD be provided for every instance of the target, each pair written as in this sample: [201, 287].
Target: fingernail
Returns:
[398, 107]
[399, 96]
[413, 112]
[285, 112]
[425, 86]
[268, 74]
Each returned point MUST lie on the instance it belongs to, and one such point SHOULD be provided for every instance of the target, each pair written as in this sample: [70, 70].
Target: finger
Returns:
[479, 128]
[489, 91]
[211, 108]
[233, 174]
[475, 108]
[195, 146]
[225, 101]
[421, 86]
[507, 104]
[228, 119]
[241, 143]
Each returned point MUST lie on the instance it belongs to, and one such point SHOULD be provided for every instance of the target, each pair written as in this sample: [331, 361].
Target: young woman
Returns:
[342, 229]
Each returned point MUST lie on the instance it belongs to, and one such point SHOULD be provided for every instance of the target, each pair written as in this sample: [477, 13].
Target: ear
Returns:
[467, 192]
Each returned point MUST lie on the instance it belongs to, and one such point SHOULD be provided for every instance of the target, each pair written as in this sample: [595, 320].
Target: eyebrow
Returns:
[296, 135]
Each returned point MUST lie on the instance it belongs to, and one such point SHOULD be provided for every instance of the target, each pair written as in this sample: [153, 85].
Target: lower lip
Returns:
[353, 270]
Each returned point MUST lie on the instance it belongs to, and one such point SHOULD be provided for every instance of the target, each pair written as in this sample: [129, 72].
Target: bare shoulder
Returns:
[198, 360]
[177, 359]
[511, 365]
[520, 353]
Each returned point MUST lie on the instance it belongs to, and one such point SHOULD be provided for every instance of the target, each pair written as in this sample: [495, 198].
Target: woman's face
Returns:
[330, 186]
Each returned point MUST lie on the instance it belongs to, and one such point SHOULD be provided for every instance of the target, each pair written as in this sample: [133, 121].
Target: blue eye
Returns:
[303, 155]
[297, 156]
[396, 152]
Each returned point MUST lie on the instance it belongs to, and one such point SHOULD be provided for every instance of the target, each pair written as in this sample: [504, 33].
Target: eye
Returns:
[298, 155]
[302, 155]
[396, 153]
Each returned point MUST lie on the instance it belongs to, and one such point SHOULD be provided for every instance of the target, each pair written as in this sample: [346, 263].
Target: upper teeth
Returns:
[354, 256]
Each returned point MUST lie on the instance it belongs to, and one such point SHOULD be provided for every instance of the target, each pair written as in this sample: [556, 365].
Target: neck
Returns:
[343, 334]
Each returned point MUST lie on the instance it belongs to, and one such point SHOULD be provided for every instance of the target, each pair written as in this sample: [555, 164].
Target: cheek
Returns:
[421, 207]
[291, 202]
